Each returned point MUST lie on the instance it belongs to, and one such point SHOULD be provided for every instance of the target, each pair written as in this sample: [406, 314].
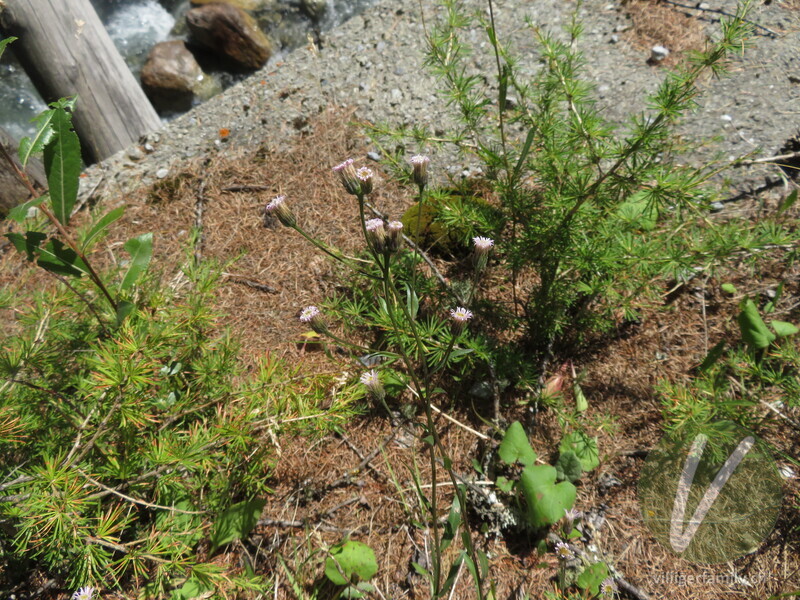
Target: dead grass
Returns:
[656, 23]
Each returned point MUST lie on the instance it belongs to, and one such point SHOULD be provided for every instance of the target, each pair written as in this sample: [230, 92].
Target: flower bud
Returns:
[395, 235]
[373, 384]
[347, 174]
[483, 245]
[279, 208]
[376, 234]
[313, 316]
[460, 318]
[420, 174]
[364, 176]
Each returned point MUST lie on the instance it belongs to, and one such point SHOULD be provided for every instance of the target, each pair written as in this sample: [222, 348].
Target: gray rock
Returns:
[230, 31]
[658, 53]
[162, 173]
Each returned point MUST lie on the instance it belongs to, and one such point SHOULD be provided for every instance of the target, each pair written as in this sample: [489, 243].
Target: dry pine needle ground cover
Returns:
[358, 482]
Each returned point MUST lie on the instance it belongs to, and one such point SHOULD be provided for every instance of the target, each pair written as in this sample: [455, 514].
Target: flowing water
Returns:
[135, 25]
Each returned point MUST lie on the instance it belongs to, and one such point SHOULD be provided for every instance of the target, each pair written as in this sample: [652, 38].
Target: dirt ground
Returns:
[359, 482]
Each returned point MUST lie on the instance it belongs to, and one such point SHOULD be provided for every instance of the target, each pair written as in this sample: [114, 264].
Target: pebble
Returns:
[148, 147]
[717, 206]
[614, 38]
[135, 153]
[658, 53]
[373, 156]
[162, 173]
[727, 118]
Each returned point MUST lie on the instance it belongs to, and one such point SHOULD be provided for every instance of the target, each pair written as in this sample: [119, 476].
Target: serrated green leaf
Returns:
[515, 446]
[28, 146]
[19, 213]
[754, 330]
[141, 250]
[236, 522]
[584, 447]
[62, 161]
[784, 329]
[350, 560]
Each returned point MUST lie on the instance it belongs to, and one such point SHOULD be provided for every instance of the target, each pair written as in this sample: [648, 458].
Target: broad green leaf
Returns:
[546, 500]
[141, 250]
[592, 577]
[20, 212]
[350, 560]
[568, 467]
[236, 522]
[584, 447]
[412, 302]
[754, 330]
[99, 228]
[6, 42]
[788, 201]
[27, 244]
[783, 329]
[728, 288]
[62, 162]
[58, 258]
[451, 525]
[193, 588]
[515, 446]
[504, 484]
[581, 403]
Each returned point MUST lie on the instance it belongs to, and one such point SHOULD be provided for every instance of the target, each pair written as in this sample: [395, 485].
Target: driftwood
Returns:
[66, 51]
[12, 190]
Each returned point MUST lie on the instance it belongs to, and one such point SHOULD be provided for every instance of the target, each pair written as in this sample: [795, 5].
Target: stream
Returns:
[136, 25]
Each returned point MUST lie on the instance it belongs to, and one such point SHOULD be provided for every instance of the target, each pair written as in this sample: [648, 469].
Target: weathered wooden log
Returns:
[66, 51]
[12, 190]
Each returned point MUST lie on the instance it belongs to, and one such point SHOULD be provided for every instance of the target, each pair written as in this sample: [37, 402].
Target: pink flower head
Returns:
[395, 235]
[308, 313]
[85, 593]
[364, 176]
[420, 174]
[460, 314]
[376, 234]
[280, 209]
[372, 382]
[482, 244]
[347, 174]
[563, 552]
[608, 587]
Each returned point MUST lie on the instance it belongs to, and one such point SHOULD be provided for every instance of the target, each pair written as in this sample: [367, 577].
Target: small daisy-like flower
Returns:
[420, 174]
[460, 314]
[85, 593]
[608, 587]
[395, 234]
[280, 209]
[373, 383]
[376, 234]
[347, 174]
[364, 175]
[482, 244]
[313, 316]
[571, 515]
[460, 318]
[563, 552]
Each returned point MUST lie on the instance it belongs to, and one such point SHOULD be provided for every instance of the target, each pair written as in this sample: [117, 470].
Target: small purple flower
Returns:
[85, 593]
[365, 179]
[376, 234]
[280, 209]
[482, 244]
[373, 384]
[313, 316]
[608, 587]
[460, 318]
[563, 552]
[420, 174]
[395, 234]
[348, 176]
[572, 515]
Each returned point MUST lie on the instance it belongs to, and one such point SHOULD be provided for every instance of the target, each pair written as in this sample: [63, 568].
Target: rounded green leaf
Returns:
[515, 446]
[350, 559]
